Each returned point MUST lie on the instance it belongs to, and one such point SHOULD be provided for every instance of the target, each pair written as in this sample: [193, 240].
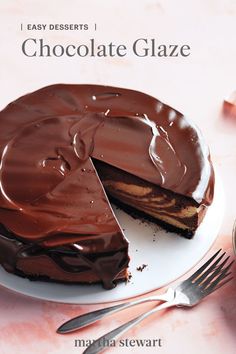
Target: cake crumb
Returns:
[141, 268]
[128, 280]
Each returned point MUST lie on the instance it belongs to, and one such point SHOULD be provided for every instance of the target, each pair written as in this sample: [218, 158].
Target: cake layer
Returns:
[171, 209]
[62, 264]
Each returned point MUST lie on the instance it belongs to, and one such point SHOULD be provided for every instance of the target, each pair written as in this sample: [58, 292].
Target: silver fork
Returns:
[172, 294]
[208, 278]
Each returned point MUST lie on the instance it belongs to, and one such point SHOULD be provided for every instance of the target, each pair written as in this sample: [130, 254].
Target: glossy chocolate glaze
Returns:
[50, 194]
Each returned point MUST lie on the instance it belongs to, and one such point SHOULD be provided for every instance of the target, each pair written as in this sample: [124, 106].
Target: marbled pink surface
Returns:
[196, 85]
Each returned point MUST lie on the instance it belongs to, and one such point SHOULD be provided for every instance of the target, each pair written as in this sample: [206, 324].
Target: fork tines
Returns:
[213, 274]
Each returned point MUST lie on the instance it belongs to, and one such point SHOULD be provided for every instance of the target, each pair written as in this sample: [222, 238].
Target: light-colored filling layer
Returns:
[161, 207]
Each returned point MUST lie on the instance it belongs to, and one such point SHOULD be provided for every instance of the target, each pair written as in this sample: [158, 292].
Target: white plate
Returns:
[167, 255]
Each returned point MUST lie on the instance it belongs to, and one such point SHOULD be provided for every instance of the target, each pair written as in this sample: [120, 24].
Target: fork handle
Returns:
[91, 317]
[98, 345]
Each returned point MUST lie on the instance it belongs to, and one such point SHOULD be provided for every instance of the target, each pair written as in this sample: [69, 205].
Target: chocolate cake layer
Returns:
[62, 264]
[51, 196]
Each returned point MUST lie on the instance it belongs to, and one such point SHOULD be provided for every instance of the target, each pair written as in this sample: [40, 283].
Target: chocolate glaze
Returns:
[50, 193]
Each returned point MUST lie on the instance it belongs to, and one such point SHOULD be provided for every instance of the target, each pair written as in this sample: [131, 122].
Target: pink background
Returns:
[195, 85]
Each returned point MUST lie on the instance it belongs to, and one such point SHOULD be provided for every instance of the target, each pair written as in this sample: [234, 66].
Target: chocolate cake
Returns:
[66, 149]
